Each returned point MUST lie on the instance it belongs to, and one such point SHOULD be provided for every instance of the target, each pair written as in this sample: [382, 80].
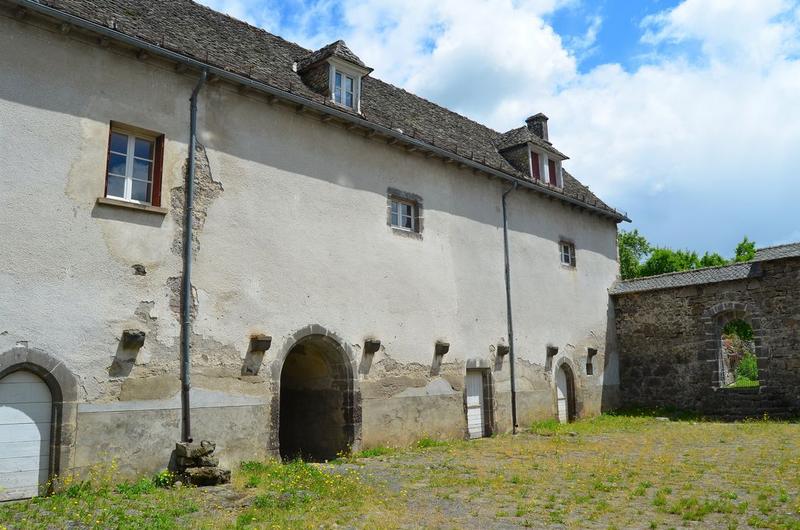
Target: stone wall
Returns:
[669, 341]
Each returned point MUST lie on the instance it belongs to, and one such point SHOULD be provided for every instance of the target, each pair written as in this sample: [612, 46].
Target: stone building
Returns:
[348, 285]
[669, 331]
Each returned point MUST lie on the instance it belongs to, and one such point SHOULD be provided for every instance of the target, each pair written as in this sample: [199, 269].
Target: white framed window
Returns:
[345, 85]
[403, 214]
[132, 159]
[344, 89]
[567, 253]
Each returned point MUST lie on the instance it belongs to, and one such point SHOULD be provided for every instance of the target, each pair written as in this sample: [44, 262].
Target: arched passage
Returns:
[565, 393]
[317, 401]
[722, 321]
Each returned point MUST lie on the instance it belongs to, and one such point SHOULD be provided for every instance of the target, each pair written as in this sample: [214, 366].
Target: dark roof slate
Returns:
[725, 273]
[221, 41]
[522, 135]
[789, 250]
[334, 49]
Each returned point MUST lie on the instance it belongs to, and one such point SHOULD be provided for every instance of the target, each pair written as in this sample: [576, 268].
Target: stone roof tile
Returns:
[724, 273]
[334, 49]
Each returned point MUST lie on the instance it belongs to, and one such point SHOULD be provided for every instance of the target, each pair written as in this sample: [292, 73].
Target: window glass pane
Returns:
[406, 209]
[395, 218]
[143, 149]
[140, 191]
[395, 206]
[141, 169]
[348, 85]
[348, 100]
[407, 222]
[119, 142]
[116, 187]
[116, 164]
[338, 80]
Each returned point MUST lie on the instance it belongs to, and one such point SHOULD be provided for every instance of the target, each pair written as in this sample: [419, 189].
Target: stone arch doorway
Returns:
[717, 321]
[565, 394]
[318, 409]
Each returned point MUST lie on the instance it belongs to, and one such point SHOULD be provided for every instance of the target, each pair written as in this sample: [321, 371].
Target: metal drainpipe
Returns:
[508, 312]
[186, 282]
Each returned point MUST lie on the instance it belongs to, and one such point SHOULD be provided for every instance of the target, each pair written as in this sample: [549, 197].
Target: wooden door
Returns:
[476, 415]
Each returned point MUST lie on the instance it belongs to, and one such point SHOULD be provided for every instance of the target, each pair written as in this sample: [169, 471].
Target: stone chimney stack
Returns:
[537, 124]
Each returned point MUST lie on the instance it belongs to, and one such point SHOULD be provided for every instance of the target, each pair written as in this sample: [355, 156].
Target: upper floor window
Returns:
[345, 85]
[133, 173]
[567, 253]
[344, 90]
[404, 213]
[546, 169]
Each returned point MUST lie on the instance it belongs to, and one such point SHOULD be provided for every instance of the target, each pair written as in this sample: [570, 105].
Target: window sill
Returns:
[406, 233]
[116, 203]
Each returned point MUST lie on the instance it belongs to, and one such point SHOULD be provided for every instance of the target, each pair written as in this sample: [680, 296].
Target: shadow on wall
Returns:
[300, 135]
[610, 398]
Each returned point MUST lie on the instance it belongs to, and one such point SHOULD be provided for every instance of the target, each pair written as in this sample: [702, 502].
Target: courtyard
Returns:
[606, 472]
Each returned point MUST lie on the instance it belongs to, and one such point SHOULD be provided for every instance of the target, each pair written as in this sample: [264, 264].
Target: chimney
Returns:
[537, 124]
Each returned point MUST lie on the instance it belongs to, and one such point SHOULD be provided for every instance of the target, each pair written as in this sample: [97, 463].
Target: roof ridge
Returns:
[770, 247]
[249, 25]
[262, 30]
[451, 111]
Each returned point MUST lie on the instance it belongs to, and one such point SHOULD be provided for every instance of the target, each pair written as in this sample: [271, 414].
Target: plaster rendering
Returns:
[291, 242]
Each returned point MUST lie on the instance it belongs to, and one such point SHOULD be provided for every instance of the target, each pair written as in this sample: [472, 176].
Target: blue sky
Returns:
[684, 113]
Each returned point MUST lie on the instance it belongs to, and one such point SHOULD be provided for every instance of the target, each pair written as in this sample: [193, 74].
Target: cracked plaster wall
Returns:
[290, 231]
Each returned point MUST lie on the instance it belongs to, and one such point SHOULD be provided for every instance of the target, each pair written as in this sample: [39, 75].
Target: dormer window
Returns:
[344, 89]
[335, 72]
[546, 168]
[345, 82]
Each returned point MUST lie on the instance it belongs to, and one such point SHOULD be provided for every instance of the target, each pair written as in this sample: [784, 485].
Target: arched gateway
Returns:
[319, 409]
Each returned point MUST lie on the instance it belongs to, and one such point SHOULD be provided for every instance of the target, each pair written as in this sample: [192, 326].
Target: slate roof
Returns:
[220, 41]
[522, 135]
[725, 273]
[781, 251]
[334, 49]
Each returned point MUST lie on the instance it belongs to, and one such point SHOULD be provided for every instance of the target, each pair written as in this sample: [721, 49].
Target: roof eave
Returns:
[305, 102]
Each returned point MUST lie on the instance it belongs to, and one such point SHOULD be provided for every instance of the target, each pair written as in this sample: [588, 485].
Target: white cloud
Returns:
[705, 131]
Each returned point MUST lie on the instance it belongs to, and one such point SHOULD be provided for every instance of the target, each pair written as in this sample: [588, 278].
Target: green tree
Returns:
[664, 260]
[712, 260]
[745, 251]
[633, 247]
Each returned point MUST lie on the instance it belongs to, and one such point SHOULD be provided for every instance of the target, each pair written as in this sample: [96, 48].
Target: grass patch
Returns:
[617, 472]
[96, 502]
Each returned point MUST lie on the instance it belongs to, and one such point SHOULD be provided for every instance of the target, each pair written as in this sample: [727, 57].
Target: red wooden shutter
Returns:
[158, 168]
[108, 161]
[535, 165]
[552, 166]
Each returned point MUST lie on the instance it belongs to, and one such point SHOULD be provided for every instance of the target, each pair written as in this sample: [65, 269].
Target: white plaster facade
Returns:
[296, 236]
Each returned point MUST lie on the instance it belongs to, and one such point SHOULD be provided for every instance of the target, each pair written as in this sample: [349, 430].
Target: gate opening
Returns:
[316, 401]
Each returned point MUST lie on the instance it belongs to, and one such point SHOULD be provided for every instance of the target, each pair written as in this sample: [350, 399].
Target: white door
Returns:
[25, 416]
[562, 395]
[475, 414]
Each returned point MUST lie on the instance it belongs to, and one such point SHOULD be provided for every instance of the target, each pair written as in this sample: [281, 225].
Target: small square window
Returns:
[133, 170]
[403, 215]
[567, 250]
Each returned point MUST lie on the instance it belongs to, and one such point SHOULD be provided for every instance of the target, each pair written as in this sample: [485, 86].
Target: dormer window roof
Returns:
[528, 149]
[336, 72]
